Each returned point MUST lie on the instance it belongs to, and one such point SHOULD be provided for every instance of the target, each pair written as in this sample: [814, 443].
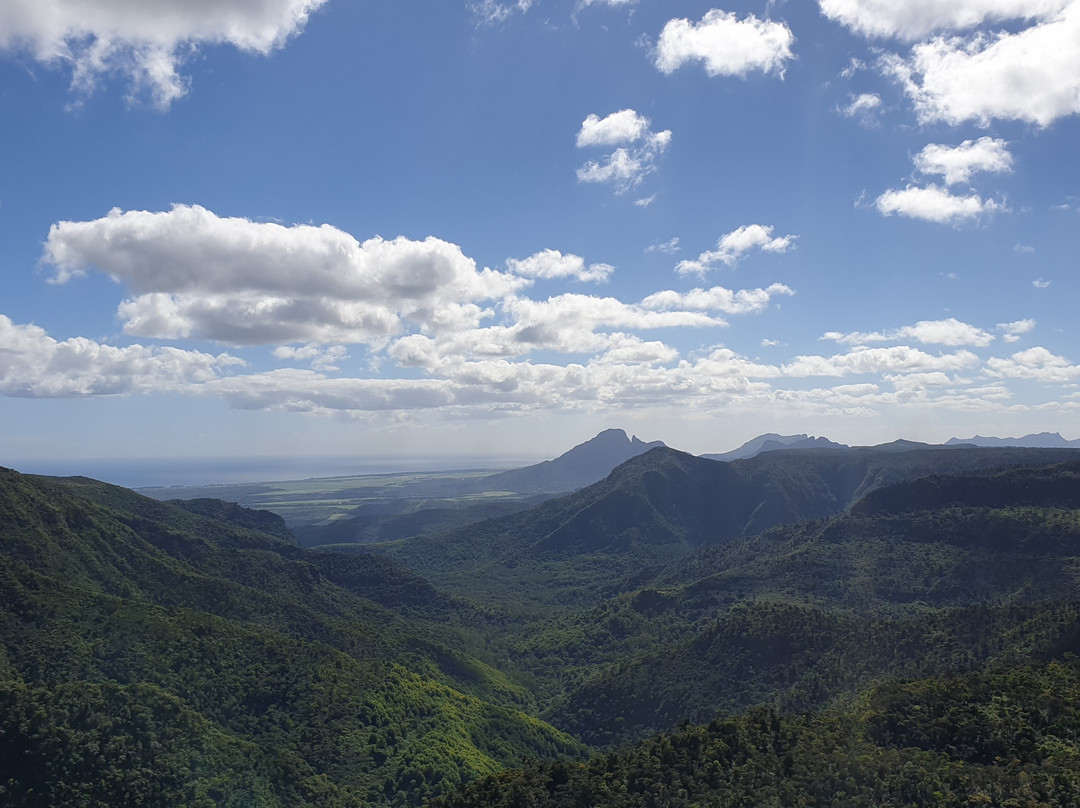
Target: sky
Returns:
[492, 228]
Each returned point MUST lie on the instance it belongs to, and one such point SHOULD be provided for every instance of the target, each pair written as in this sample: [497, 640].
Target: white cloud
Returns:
[853, 67]
[630, 349]
[863, 107]
[1040, 283]
[492, 12]
[949, 332]
[734, 245]
[580, 324]
[915, 19]
[1032, 75]
[624, 126]
[958, 163]
[1037, 364]
[34, 365]
[199, 275]
[725, 45]
[1013, 331]
[935, 204]
[862, 360]
[669, 247]
[146, 42]
[717, 299]
[627, 166]
[321, 359]
[645, 201]
[553, 264]
[919, 383]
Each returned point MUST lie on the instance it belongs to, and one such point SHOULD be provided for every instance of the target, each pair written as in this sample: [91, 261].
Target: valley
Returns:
[818, 625]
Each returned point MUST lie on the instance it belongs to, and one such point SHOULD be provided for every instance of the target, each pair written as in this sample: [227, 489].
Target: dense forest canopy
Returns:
[819, 627]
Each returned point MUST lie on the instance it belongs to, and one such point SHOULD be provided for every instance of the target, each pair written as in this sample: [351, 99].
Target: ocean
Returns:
[152, 472]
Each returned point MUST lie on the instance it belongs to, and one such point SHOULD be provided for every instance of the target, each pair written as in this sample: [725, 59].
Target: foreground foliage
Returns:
[153, 651]
[1008, 738]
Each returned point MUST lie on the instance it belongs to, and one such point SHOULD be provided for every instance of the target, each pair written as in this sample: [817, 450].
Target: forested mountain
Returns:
[659, 506]
[582, 465]
[153, 654]
[771, 442]
[1003, 738]
[886, 626]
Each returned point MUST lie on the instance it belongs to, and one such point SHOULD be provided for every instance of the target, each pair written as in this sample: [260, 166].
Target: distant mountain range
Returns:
[662, 504]
[771, 442]
[1039, 440]
[519, 489]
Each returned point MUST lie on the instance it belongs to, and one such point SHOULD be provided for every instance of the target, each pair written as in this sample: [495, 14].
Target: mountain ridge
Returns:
[582, 465]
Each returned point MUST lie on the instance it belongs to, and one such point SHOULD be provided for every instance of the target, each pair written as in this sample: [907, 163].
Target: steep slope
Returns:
[896, 586]
[290, 678]
[581, 466]
[992, 738]
[660, 505]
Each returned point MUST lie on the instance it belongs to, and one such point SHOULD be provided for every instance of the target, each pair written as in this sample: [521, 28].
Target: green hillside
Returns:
[158, 631]
[901, 633]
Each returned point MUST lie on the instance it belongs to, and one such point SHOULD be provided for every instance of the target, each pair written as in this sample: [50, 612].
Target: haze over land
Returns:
[491, 228]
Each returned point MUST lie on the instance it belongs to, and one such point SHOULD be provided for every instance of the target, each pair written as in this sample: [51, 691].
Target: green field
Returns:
[327, 499]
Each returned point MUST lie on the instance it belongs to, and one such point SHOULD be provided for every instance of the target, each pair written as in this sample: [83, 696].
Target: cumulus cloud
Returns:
[580, 324]
[863, 360]
[322, 359]
[624, 126]
[146, 42]
[629, 164]
[35, 365]
[717, 299]
[734, 245]
[725, 45]
[915, 19]
[935, 204]
[1032, 75]
[199, 275]
[951, 332]
[553, 264]
[1037, 364]
[958, 163]
[1039, 283]
[1013, 331]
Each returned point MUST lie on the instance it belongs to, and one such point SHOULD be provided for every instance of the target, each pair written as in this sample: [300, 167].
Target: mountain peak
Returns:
[583, 465]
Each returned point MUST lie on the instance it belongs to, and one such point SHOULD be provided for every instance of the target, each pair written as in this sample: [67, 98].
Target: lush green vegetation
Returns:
[155, 630]
[1005, 739]
[895, 637]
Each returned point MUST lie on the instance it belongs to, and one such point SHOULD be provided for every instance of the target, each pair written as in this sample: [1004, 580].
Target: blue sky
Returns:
[278, 227]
